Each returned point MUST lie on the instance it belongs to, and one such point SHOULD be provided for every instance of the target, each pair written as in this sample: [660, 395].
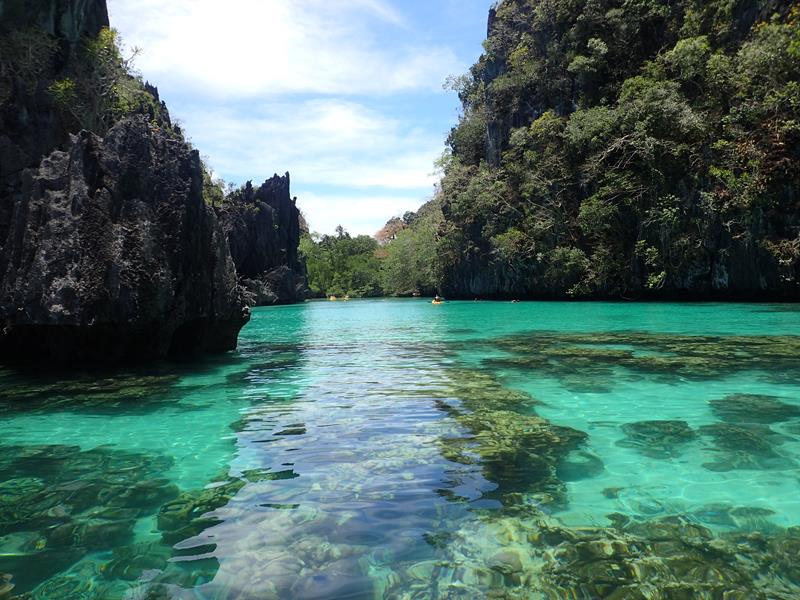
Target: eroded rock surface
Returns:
[263, 229]
[112, 254]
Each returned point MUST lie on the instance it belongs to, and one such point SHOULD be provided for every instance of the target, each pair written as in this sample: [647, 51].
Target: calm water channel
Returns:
[396, 449]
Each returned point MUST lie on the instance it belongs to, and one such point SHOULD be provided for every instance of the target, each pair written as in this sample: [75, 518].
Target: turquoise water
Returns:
[395, 449]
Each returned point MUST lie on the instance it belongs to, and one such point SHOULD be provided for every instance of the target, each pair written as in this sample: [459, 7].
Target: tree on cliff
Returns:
[614, 148]
[342, 265]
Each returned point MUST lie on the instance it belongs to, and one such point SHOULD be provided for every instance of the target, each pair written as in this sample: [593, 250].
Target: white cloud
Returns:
[359, 215]
[305, 86]
[251, 48]
[322, 142]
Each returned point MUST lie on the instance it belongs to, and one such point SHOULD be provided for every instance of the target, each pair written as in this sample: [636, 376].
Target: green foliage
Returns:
[405, 263]
[688, 59]
[619, 137]
[598, 218]
[25, 56]
[342, 265]
[64, 93]
[468, 139]
[96, 87]
[410, 261]
[87, 84]
[213, 189]
[568, 268]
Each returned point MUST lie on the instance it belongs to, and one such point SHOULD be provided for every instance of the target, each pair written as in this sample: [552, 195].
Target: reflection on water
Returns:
[381, 449]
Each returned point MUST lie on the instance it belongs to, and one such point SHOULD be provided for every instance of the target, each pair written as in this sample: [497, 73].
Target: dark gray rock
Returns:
[30, 126]
[281, 285]
[108, 251]
[263, 230]
[112, 254]
[68, 20]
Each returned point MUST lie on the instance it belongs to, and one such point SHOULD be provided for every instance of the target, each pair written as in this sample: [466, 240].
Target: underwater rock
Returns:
[85, 580]
[758, 440]
[6, 585]
[130, 393]
[13, 491]
[532, 556]
[657, 439]
[745, 447]
[579, 464]
[518, 452]
[186, 516]
[146, 494]
[506, 561]
[64, 502]
[578, 358]
[739, 518]
[753, 408]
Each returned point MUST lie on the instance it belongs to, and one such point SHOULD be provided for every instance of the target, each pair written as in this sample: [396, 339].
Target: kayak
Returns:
[437, 302]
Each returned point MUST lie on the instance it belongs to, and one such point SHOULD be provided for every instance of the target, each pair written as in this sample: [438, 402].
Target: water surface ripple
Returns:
[395, 449]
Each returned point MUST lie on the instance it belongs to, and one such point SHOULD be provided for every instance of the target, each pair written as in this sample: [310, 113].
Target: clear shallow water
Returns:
[396, 449]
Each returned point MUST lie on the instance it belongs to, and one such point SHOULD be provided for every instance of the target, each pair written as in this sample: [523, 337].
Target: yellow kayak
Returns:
[437, 302]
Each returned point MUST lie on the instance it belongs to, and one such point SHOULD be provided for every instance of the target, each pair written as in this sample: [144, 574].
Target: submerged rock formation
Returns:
[113, 254]
[263, 229]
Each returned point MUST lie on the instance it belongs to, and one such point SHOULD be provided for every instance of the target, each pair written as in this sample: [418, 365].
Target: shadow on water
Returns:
[95, 519]
[133, 391]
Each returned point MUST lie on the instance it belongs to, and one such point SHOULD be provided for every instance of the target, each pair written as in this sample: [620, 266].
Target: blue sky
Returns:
[345, 94]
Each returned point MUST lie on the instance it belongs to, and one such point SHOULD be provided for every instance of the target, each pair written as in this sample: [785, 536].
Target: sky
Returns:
[346, 95]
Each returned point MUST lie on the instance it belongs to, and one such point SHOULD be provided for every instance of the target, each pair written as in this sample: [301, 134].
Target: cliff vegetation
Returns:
[627, 149]
[400, 260]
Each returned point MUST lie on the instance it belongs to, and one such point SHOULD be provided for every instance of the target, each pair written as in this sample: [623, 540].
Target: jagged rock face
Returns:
[263, 230]
[30, 127]
[68, 20]
[112, 254]
[523, 203]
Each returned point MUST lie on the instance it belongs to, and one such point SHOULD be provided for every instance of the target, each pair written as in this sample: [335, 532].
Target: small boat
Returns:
[436, 302]
[333, 298]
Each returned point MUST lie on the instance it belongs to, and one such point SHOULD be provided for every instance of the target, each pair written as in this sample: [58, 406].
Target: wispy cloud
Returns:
[334, 91]
[366, 214]
[250, 48]
[323, 141]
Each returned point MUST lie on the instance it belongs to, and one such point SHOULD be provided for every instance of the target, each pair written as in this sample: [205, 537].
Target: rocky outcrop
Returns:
[68, 20]
[108, 251]
[263, 230]
[44, 34]
[112, 254]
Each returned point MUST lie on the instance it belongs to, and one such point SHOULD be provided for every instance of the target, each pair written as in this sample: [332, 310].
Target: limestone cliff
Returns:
[108, 250]
[263, 230]
[614, 149]
[113, 255]
[38, 40]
